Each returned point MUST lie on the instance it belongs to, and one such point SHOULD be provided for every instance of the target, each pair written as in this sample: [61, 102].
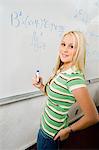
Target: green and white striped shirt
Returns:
[60, 100]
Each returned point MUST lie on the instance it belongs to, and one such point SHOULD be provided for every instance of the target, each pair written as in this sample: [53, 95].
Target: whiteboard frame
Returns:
[30, 95]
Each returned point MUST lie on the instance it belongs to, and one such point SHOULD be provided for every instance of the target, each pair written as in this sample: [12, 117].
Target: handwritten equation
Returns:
[18, 18]
[41, 26]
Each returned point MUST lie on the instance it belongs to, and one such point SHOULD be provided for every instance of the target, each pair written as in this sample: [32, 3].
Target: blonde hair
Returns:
[79, 58]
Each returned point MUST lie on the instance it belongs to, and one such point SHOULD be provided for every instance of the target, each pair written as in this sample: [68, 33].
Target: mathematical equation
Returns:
[41, 26]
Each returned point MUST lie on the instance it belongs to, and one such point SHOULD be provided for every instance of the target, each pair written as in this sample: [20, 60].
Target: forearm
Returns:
[42, 88]
[88, 107]
[83, 123]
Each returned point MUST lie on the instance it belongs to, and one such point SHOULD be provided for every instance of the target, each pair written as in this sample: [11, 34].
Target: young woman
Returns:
[65, 87]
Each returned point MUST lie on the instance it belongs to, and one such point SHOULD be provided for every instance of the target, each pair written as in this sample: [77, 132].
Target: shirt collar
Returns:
[70, 70]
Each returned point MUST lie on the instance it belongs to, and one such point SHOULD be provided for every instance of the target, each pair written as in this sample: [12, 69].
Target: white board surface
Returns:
[30, 32]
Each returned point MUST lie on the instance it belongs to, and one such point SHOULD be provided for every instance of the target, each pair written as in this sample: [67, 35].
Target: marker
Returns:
[37, 75]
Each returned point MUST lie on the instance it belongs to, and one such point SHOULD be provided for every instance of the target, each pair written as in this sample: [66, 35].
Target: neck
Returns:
[65, 66]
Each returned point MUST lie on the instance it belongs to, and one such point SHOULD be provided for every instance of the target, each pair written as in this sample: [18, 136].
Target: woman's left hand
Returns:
[63, 134]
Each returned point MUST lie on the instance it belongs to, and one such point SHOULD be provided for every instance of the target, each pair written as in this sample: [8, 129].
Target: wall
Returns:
[19, 123]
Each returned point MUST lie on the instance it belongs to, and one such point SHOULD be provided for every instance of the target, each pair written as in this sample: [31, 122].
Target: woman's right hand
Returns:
[37, 84]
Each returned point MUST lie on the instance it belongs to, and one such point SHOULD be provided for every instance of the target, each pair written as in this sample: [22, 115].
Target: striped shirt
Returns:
[60, 100]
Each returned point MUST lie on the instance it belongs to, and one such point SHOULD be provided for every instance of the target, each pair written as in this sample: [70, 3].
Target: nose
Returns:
[65, 49]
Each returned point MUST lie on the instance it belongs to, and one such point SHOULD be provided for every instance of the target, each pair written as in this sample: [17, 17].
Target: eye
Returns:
[63, 44]
[72, 46]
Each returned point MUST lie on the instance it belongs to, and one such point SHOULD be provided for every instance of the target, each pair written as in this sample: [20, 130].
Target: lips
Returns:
[64, 55]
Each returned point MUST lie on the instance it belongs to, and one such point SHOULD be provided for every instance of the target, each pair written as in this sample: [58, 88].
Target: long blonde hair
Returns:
[79, 58]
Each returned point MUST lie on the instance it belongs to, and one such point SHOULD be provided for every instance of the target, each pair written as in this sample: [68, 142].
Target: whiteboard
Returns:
[30, 33]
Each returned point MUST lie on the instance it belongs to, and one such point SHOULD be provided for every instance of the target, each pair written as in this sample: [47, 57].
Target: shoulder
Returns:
[74, 74]
[75, 80]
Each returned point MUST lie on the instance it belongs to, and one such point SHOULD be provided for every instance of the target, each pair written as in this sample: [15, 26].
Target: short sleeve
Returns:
[76, 81]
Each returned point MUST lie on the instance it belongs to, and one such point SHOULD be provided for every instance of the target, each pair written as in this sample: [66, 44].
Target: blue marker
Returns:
[37, 75]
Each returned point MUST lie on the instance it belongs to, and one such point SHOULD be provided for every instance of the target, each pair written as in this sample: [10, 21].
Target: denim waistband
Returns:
[48, 137]
[44, 134]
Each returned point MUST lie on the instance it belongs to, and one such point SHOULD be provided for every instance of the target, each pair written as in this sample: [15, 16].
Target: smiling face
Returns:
[67, 49]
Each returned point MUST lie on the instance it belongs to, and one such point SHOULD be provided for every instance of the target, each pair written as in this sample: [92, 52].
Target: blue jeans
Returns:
[44, 142]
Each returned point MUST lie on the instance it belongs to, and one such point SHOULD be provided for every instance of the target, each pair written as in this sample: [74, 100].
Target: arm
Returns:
[88, 107]
[41, 87]
[90, 117]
